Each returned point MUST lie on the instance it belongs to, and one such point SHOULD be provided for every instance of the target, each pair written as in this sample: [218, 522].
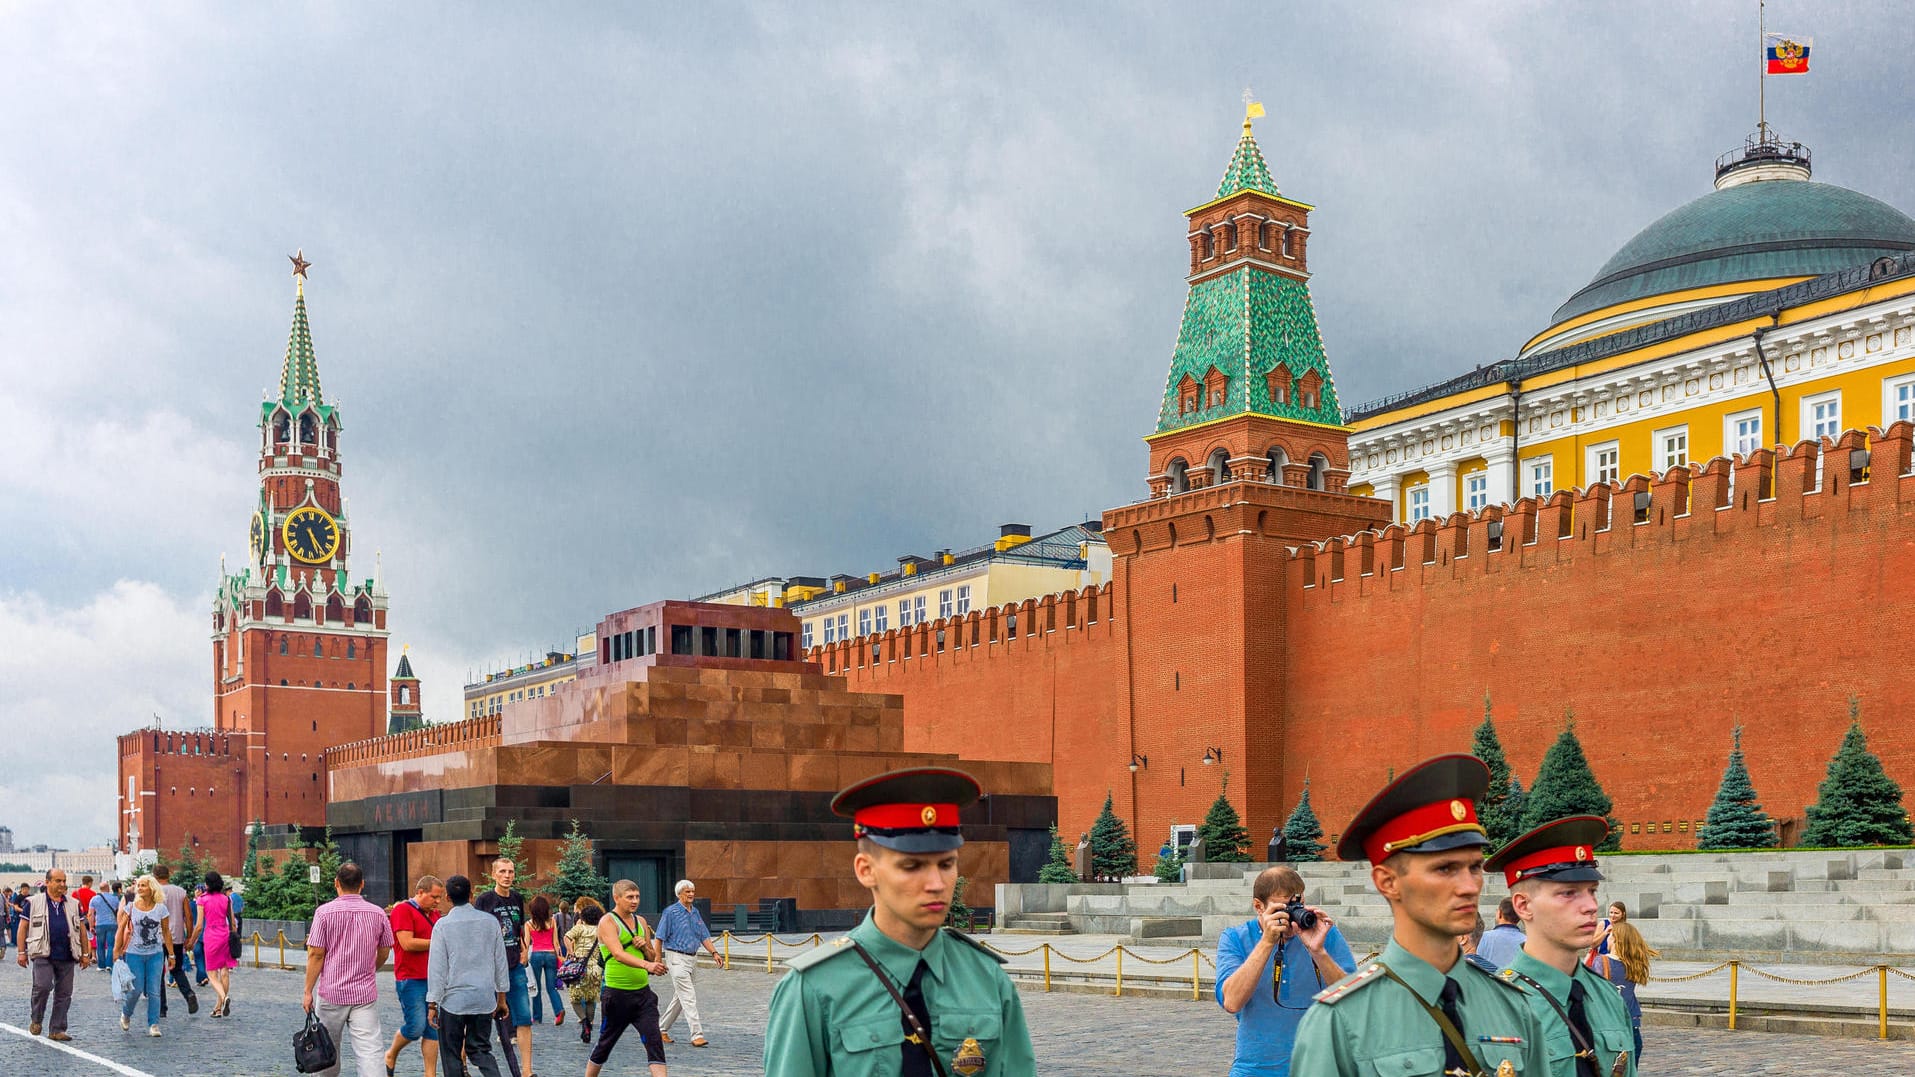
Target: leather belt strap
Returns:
[1450, 1031]
[1584, 1049]
[917, 1028]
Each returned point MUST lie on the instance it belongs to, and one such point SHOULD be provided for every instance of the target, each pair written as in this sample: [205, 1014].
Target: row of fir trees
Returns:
[1856, 804]
[288, 892]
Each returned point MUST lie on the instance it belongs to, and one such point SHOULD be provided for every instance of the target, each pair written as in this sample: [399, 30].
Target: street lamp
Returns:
[1138, 762]
[1213, 755]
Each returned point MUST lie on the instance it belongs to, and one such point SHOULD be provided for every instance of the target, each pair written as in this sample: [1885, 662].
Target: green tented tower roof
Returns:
[1247, 171]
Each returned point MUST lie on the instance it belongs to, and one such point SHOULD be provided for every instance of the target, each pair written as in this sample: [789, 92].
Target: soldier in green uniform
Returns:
[1420, 1009]
[898, 995]
[1552, 879]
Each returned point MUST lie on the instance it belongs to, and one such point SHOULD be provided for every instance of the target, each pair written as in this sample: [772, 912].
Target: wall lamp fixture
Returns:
[1213, 755]
[1138, 762]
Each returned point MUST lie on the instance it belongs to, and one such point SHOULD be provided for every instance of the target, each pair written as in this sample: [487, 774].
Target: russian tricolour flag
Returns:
[1786, 55]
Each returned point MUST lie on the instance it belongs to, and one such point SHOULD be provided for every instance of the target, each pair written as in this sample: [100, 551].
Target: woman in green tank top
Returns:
[630, 954]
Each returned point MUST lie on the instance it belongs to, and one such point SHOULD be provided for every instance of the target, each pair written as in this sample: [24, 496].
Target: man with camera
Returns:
[1269, 969]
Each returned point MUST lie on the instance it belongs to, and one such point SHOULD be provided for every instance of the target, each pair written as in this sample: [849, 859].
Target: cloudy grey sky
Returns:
[639, 302]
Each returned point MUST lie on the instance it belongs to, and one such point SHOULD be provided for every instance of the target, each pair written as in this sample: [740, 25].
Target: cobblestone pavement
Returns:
[1076, 1036]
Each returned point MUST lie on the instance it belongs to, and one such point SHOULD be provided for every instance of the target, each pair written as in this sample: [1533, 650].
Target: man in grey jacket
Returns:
[466, 981]
[53, 937]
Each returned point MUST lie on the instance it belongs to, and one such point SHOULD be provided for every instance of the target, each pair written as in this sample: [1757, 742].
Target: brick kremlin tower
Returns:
[1249, 458]
[299, 646]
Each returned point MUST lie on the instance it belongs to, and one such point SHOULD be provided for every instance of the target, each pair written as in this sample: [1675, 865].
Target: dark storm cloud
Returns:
[629, 304]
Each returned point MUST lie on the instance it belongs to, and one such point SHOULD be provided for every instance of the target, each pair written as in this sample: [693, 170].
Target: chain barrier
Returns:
[1692, 976]
[1815, 983]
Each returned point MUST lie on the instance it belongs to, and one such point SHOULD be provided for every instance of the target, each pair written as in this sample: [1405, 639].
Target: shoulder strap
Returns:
[1450, 1031]
[1583, 1048]
[918, 1031]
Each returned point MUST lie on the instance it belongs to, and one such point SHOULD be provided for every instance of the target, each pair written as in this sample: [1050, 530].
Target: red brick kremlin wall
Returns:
[1348, 658]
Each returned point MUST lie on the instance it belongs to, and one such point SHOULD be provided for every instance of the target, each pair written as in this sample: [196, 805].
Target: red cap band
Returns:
[1418, 825]
[904, 817]
[1542, 858]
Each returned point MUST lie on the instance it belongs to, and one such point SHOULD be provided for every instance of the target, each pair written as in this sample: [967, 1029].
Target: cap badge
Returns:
[1457, 810]
[969, 1058]
[929, 815]
[1582, 852]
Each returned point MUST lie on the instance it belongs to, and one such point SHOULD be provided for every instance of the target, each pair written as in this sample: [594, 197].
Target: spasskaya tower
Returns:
[299, 645]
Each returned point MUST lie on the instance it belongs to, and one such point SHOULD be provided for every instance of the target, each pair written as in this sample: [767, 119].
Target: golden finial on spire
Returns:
[1252, 108]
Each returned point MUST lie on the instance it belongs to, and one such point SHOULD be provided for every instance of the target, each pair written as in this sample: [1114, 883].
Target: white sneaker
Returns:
[153, 1031]
[126, 1023]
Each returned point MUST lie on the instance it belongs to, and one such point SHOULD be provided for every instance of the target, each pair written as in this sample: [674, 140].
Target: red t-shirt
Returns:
[84, 895]
[407, 916]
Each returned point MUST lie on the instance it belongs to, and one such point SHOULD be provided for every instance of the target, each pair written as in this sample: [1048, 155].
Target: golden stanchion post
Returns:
[1196, 972]
[727, 951]
[767, 952]
[1047, 966]
[1734, 967]
[256, 942]
[1120, 972]
[1881, 983]
[282, 948]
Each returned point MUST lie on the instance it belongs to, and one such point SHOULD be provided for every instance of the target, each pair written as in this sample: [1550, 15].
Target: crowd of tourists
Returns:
[464, 964]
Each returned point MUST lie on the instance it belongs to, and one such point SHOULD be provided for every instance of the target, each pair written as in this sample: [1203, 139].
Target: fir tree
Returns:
[187, 870]
[295, 893]
[249, 869]
[957, 914]
[1169, 869]
[1857, 803]
[1302, 834]
[577, 876]
[1566, 786]
[1058, 868]
[1493, 809]
[1113, 854]
[509, 849]
[1515, 804]
[1226, 841]
[1736, 820]
[329, 861]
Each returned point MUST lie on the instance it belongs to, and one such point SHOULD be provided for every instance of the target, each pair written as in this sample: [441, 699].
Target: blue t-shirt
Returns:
[59, 942]
[1267, 1025]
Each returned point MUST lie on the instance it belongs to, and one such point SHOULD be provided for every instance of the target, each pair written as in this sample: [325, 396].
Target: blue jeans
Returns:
[516, 1000]
[103, 941]
[545, 978]
[149, 979]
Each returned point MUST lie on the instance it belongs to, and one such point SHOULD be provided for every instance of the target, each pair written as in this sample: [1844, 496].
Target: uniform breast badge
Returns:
[969, 1058]
[1621, 1068]
[1506, 1068]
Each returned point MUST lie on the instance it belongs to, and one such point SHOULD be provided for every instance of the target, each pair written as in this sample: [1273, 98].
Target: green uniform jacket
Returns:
[1367, 1024]
[831, 1015]
[1608, 1017]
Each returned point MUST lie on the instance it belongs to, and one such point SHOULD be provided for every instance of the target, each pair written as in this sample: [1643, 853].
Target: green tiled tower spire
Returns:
[1243, 324]
[299, 376]
[1247, 172]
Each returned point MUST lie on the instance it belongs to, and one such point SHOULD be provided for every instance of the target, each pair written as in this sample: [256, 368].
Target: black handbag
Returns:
[313, 1048]
[234, 944]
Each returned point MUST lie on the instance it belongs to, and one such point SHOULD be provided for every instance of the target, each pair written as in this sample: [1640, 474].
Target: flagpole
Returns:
[1762, 72]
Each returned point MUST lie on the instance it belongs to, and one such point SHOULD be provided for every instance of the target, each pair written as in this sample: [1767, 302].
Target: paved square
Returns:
[1076, 1036]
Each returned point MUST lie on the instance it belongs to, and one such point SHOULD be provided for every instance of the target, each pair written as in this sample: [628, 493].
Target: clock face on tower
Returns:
[311, 535]
[256, 537]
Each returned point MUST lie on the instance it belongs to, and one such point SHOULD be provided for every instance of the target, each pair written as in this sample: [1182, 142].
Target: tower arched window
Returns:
[362, 609]
[1220, 467]
[275, 606]
[405, 694]
[1289, 243]
[1179, 473]
[1274, 471]
[335, 610]
[319, 647]
[308, 429]
[282, 428]
[332, 436]
[282, 645]
[1319, 471]
[352, 648]
[1210, 245]
[303, 607]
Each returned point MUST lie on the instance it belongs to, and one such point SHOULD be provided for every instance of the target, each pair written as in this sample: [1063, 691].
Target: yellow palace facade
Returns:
[1769, 311]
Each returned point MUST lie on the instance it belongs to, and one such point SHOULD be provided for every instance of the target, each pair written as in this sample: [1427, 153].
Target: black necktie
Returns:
[1453, 1062]
[1585, 1060]
[917, 1058]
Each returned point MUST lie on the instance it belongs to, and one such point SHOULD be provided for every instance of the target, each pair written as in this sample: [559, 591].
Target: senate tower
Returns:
[299, 646]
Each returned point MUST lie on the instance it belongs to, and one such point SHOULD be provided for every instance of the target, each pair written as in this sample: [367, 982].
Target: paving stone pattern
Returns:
[1076, 1036]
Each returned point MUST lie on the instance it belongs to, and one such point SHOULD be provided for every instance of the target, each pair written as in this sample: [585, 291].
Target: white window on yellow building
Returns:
[1742, 432]
[1542, 475]
[864, 621]
[1605, 462]
[944, 603]
[881, 618]
[1822, 415]
[917, 610]
[963, 599]
[804, 636]
[1672, 447]
[831, 630]
[1476, 491]
[1418, 500]
[844, 626]
[1898, 403]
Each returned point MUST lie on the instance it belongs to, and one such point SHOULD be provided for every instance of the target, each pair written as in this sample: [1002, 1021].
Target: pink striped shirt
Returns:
[350, 930]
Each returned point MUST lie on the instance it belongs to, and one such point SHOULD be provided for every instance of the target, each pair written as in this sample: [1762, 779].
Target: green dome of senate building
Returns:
[1763, 227]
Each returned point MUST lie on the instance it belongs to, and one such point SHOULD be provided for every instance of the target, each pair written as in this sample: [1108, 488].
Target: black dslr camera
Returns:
[1301, 916]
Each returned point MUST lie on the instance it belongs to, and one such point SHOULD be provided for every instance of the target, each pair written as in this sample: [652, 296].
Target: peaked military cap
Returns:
[1563, 850]
[912, 811]
[1429, 808]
